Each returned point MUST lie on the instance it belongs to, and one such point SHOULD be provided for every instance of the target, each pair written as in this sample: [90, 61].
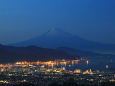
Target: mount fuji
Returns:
[56, 37]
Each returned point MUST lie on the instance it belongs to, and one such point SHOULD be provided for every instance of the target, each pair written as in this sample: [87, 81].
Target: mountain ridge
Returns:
[59, 38]
[31, 53]
[83, 53]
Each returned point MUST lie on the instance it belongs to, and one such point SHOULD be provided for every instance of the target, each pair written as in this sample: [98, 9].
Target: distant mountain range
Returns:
[34, 53]
[83, 53]
[31, 53]
[55, 38]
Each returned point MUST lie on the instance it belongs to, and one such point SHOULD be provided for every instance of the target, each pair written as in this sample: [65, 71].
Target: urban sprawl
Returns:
[46, 73]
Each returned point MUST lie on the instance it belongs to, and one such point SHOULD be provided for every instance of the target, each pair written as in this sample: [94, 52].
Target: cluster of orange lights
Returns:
[48, 63]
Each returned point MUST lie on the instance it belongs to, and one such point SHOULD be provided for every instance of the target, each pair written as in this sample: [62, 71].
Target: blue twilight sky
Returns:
[24, 19]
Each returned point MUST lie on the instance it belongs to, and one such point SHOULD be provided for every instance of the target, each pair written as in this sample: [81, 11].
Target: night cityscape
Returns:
[57, 42]
[49, 73]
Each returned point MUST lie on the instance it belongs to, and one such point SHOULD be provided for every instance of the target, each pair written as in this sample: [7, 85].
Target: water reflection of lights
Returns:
[110, 60]
[87, 62]
[107, 66]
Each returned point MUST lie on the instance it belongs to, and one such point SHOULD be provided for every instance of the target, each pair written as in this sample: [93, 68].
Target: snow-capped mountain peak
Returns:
[56, 32]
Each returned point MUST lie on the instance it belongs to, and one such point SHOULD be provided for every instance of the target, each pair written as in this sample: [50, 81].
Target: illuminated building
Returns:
[77, 71]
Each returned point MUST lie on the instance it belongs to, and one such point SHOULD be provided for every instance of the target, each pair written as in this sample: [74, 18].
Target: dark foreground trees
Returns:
[24, 84]
[108, 84]
[70, 82]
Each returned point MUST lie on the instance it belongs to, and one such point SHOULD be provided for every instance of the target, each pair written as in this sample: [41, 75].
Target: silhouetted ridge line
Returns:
[55, 38]
[31, 53]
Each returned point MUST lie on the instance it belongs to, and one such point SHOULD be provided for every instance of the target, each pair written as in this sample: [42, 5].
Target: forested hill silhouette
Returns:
[31, 53]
